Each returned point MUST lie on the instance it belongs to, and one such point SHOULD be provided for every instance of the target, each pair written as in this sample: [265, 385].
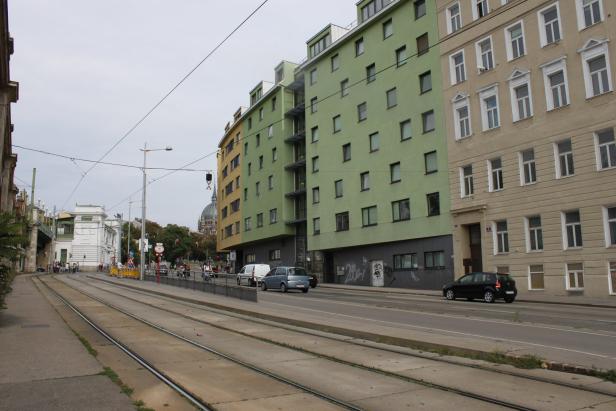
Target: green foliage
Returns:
[11, 240]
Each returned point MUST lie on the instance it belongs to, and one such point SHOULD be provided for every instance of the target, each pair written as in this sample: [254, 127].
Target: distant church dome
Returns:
[207, 222]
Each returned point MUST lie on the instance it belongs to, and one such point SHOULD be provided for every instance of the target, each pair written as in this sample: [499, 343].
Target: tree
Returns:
[11, 239]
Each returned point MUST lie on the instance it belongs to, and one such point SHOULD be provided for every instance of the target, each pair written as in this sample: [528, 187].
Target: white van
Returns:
[252, 274]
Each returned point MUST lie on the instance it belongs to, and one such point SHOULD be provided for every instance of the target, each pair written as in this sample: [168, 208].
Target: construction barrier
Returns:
[124, 272]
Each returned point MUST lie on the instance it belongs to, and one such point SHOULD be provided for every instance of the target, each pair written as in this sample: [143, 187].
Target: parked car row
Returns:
[282, 278]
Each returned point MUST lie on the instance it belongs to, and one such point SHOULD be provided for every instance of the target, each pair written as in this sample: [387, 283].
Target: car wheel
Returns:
[488, 296]
[304, 290]
[509, 300]
[263, 286]
[450, 295]
[283, 287]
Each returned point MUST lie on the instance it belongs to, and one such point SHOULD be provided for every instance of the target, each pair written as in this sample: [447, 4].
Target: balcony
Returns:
[299, 191]
[299, 219]
[297, 110]
[300, 135]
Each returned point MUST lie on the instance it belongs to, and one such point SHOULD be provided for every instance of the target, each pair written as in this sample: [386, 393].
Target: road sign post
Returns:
[159, 249]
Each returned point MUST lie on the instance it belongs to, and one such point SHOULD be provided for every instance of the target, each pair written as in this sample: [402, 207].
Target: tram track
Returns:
[425, 383]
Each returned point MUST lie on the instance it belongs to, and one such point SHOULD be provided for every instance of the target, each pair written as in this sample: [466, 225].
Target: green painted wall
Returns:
[283, 180]
[415, 183]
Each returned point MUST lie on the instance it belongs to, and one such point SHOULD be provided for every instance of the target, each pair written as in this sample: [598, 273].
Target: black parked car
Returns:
[486, 286]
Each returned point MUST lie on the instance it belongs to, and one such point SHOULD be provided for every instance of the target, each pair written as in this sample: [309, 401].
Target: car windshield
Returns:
[297, 271]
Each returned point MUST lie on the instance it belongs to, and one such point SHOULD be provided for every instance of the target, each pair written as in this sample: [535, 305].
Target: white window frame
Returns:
[598, 149]
[313, 76]
[449, 17]
[563, 220]
[509, 40]
[580, 14]
[530, 287]
[479, 55]
[496, 239]
[543, 40]
[529, 234]
[463, 192]
[593, 49]
[612, 284]
[491, 188]
[522, 165]
[567, 271]
[474, 8]
[491, 91]
[452, 67]
[606, 226]
[559, 171]
[549, 69]
[460, 101]
[519, 79]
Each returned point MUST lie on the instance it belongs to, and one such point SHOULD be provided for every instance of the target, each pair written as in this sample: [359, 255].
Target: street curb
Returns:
[442, 349]
[395, 291]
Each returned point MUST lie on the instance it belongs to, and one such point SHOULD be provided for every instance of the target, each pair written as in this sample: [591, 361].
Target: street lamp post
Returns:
[145, 150]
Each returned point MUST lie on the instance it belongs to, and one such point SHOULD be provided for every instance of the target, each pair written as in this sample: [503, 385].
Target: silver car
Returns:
[286, 278]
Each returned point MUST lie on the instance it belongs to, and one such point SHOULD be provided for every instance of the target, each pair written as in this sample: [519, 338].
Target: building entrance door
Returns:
[63, 256]
[474, 239]
[328, 268]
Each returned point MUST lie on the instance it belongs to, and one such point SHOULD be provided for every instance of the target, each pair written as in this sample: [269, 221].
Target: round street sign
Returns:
[159, 248]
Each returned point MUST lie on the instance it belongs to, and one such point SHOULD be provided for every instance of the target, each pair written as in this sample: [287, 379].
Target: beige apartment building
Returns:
[229, 185]
[531, 115]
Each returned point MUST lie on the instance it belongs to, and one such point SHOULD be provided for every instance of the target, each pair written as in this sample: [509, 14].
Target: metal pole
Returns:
[142, 259]
[130, 224]
[32, 195]
[52, 259]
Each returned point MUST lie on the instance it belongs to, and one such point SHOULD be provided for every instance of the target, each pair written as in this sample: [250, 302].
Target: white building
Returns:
[87, 237]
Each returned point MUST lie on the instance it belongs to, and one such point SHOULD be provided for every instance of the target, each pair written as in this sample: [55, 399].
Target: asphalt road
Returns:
[578, 335]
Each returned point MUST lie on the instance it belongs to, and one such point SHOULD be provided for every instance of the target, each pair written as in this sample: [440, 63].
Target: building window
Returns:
[427, 120]
[534, 233]
[434, 204]
[575, 276]
[401, 210]
[462, 118]
[249, 123]
[364, 180]
[342, 221]
[430, 162]
[495, 170]
[392, 98]
[273, 216]
[528, 168]
[394, 172]
[457, 69]
[247, 224]
[257, 189]
[237, 227]
[589, 12]
[549, 22]
[251, 258]
[521, 104]
[612, 274]
[371, 73]
[489, 109]
[338, 188]
[401, 56]
[556, 87]
[335, 62]
[425, 82]
[314, 134]
[434, 260]
[609, 214]
[261, 114]
[423, 44]
[270, 131]
[481, 9]
[501, 237]
[596, 68]
[485, 55]
[315, 164]
[259, 220]
[274, 154]
[420, 8]
[316, 226]
[245, 148]
[454, 18]
[260, 162]
[405, 130]
[344, 88]
[224, 212]
[359, 47]
[274, 255]
[316, 195]
[346, 152]
[606, 149]
[515, 41]
[368, 216]
[388, 29]
[274, 105]
[270, 182]
[245, 194]
[337, 123]
[373, 7]
[564, 159]
[313, 105]
[313, 76]
[405, 261]
[535, 277]
[573, 229]
[362, 111]
[374, 142]
[258, 140]
[466, 181]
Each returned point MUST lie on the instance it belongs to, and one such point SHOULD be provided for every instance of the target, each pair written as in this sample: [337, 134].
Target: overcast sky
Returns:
[88, 70]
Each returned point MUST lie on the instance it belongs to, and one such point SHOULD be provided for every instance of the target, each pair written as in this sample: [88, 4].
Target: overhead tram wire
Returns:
[337, 92]
[138, 123]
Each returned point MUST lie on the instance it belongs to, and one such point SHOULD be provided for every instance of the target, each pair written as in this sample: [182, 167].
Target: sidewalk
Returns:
[607, 302]
[42, 363]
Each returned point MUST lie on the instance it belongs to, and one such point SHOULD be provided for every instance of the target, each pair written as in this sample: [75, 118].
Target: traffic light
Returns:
[208, 180]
